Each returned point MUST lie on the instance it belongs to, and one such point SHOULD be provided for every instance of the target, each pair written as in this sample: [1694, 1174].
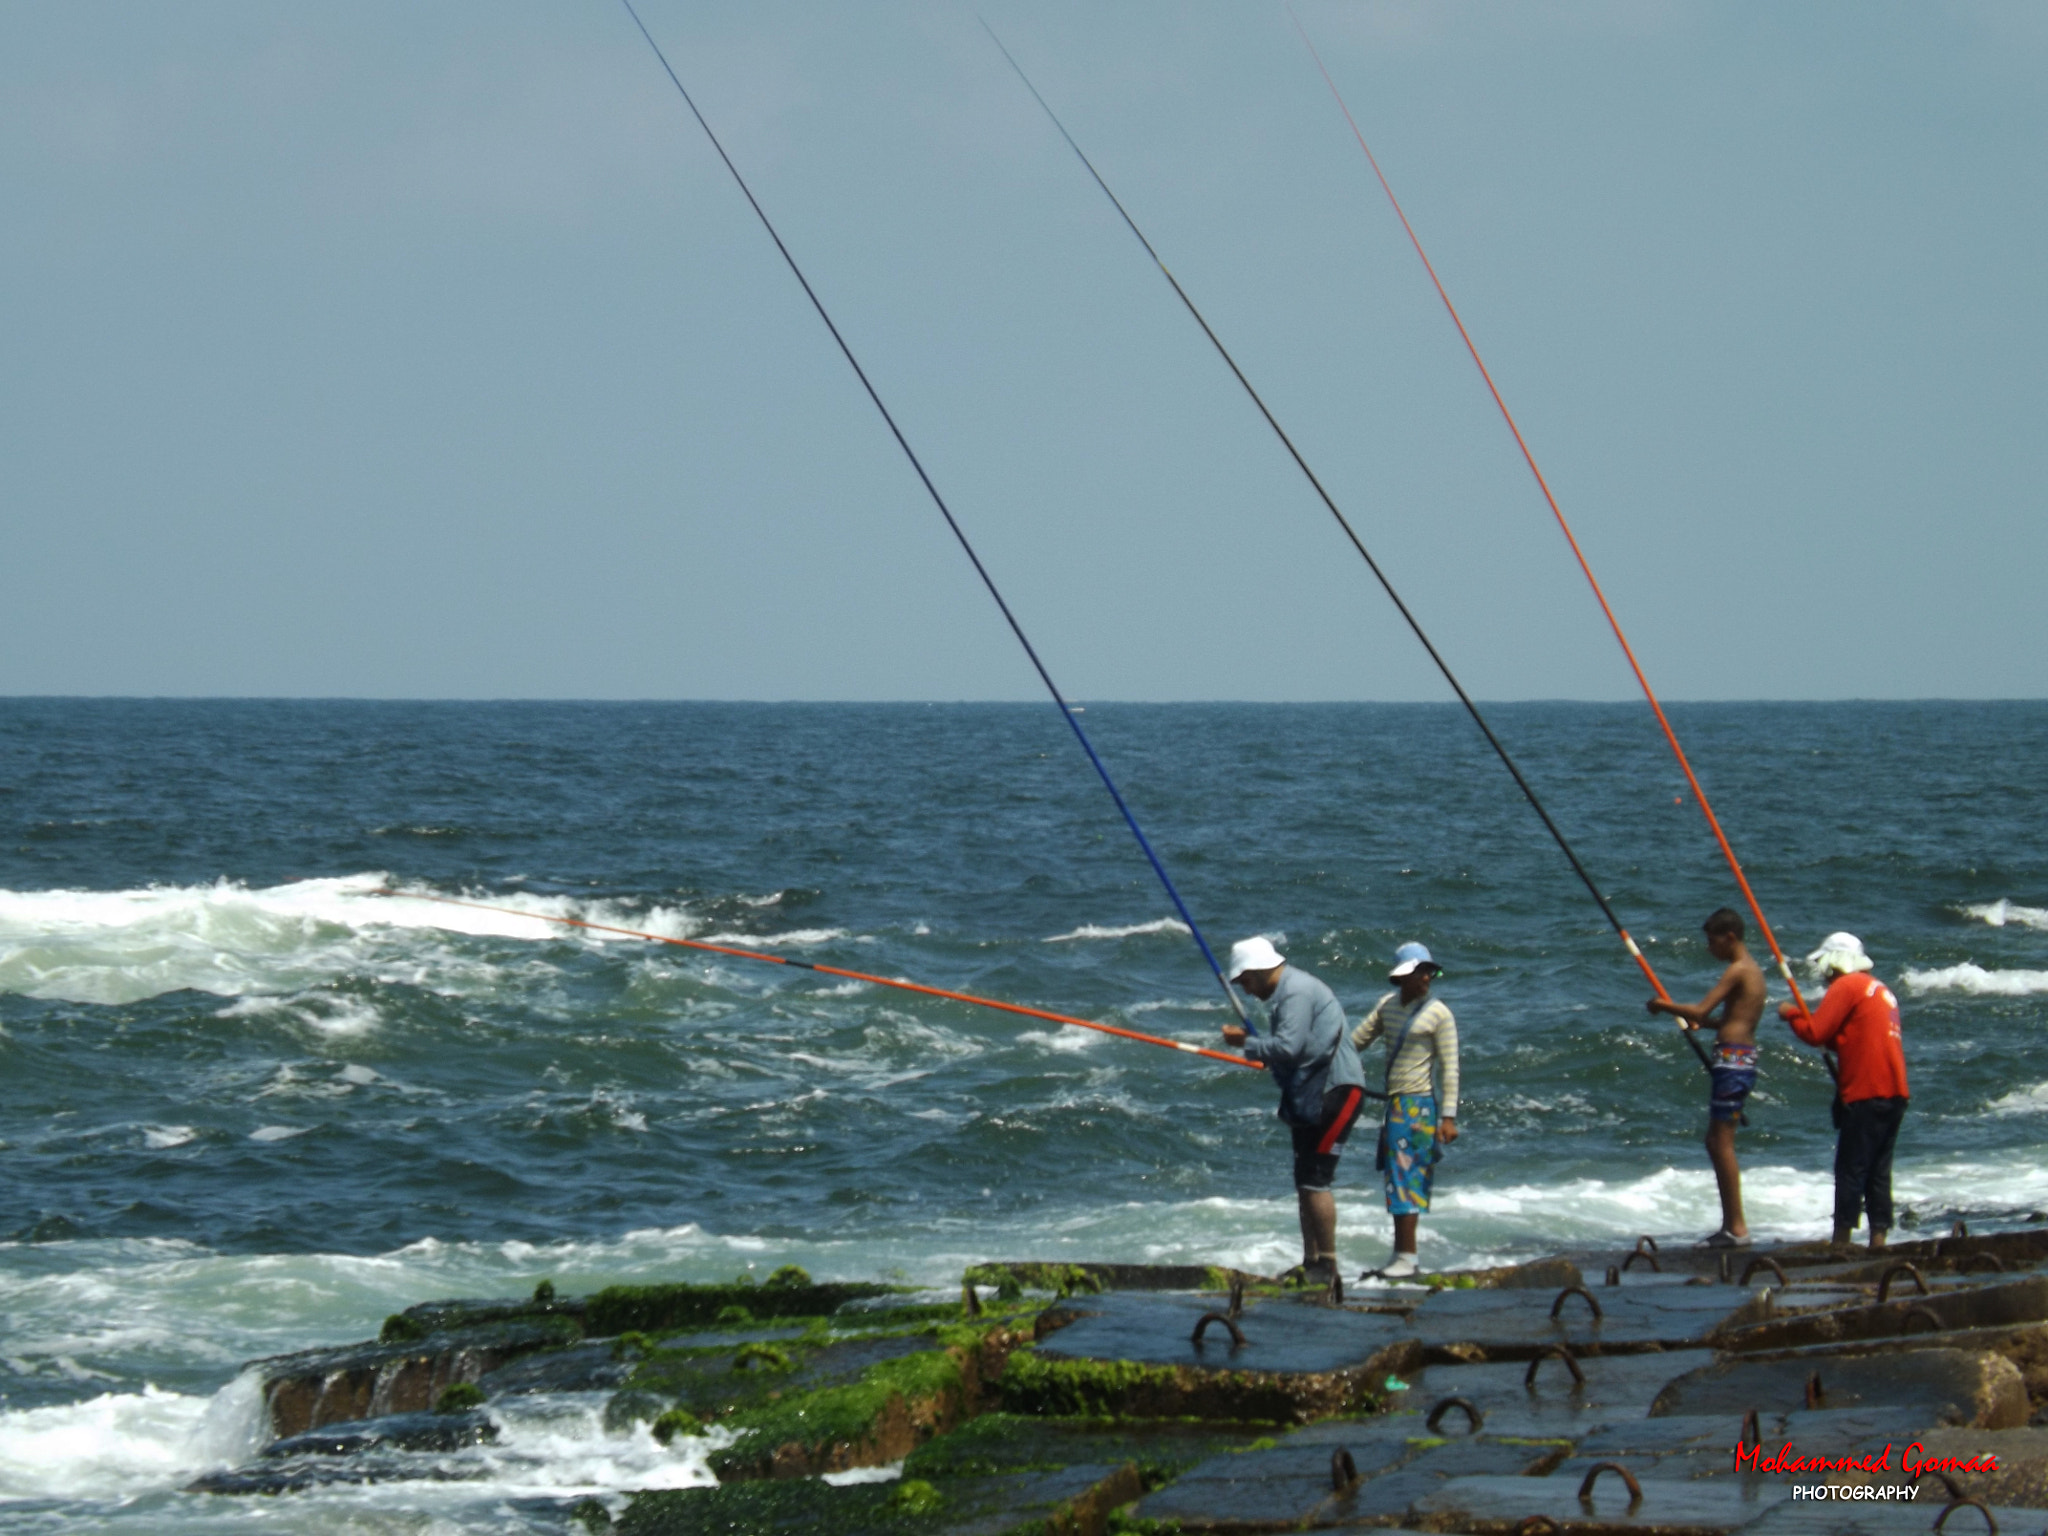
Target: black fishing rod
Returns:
[1357, 543]
[988, 581]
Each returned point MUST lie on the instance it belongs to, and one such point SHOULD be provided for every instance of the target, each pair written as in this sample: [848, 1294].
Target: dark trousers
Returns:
[1863, 1160]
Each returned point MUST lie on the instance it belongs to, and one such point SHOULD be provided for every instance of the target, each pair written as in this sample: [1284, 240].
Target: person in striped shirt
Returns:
[1422, 1094]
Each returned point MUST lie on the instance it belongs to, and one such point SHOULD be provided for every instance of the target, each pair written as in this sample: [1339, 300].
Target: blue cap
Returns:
[1408, 957]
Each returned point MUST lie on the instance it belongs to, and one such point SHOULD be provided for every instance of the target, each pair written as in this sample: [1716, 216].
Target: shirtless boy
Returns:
[1739, 999]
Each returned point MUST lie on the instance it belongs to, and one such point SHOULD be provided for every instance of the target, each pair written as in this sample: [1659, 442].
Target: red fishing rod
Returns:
[1542, 484]
[1351, 533]
[736, 953]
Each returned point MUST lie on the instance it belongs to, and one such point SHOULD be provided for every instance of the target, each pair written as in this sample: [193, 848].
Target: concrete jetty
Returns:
[1651, 1390]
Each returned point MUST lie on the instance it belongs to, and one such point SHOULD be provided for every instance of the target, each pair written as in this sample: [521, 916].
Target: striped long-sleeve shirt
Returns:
[1430, 1045]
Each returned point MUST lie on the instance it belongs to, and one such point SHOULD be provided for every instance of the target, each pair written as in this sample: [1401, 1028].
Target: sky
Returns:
[387, 350]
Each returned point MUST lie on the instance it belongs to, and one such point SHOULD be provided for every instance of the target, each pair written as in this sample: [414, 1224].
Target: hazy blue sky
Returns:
[389, 349]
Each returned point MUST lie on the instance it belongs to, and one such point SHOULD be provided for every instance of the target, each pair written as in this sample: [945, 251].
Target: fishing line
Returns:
[1358, 544]
[1529, 458]
[833, 970]
[988, 581]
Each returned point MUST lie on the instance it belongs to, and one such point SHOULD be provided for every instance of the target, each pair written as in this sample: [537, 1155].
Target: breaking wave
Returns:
[1132, 930]
[2000, 912]
[1976, 981]
[118, 947]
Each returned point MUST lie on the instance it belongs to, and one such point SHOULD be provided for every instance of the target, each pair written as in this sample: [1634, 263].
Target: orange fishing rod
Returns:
[1351, 533]
[833, 970]
[1529, 458]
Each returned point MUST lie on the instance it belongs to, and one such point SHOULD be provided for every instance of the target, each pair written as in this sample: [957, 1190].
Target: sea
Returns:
[261, 1090]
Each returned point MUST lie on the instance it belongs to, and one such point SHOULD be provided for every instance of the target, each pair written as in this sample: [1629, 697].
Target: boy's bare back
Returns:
[1740, 996]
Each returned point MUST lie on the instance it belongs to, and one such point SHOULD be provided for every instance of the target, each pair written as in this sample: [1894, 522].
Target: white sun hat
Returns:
[1254, 954]
[1840, 952]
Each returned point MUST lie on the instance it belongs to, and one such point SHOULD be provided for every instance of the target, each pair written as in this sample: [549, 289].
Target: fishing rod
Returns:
[833, 970]
[1358, 544]
[1542, 484]
[1066, 710]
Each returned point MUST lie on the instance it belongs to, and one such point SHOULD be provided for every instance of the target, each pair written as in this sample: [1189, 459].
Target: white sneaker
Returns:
[1400, 1267]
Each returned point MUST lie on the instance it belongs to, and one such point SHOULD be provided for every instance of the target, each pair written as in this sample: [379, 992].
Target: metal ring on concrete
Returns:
[1752, 1431]
[1934, 1324]
[1343, 1470]
[1646, 1241]
[1884, 1281]
[1816, 1394]
[1763, 1261]
[1642, 1253]
[1557, 1306]
[1947, 1482]
[1635, 1489]
[1464, 1405]
[1990, 1520]
[1202, 1327]
[1560, 1352]
[1991, 1259]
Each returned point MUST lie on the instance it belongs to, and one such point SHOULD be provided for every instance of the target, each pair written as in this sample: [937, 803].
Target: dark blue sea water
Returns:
[251, 1105]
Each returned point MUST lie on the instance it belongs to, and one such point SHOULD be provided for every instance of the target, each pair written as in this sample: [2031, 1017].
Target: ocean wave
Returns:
[233, 940]
[2000, 912]
[122, 1444]
[2021, 1101]
[1130, 930]
[798, 938]
[1976, 981]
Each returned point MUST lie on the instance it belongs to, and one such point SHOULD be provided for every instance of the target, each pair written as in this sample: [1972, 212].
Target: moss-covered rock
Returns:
[1008, 1442]
[663, 1308]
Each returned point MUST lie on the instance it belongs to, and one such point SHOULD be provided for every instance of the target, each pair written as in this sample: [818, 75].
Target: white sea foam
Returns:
[1130, 930]
[796, 938]
[121, 1444]
[2021, 1101]
[2000, 912]
[1066, 1040]
[285, 941]
[1976, 981]
[276, 1132]
[161, 1138]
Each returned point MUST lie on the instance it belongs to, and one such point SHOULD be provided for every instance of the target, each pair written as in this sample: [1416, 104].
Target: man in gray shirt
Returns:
[1309, 1053]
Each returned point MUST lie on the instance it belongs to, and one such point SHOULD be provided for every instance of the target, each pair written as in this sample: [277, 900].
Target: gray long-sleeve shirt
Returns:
[1307, 1048]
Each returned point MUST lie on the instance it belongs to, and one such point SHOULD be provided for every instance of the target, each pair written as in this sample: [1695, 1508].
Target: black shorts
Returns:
[1317, 1147]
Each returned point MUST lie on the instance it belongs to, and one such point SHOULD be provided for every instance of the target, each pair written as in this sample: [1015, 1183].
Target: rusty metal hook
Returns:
[1635, 1489]
[1343, 1471]
[1464, 1405]
[1990, 1520]
[1884, 1281]
[1642, 1253]
[1561, 1352]
[1202, 1327]
[1557, 1306]
[1763, 1261]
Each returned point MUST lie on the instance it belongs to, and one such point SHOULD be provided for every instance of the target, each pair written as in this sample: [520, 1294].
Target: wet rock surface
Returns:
[1061, 1398]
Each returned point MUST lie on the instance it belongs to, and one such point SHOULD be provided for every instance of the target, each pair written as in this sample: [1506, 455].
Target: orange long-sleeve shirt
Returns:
[1859, 1020]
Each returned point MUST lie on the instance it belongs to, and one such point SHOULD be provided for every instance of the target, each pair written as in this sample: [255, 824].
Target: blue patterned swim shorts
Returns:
[1734, 1074]
[1409, 1153]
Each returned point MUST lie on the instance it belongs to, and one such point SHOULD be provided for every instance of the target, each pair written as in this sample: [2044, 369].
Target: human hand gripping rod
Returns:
[959, 534]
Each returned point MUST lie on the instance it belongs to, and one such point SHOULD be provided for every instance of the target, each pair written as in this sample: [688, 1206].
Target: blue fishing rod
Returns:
[1017, 629]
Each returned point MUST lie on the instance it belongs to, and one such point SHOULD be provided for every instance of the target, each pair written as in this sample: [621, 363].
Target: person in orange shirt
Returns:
[1858, 1019]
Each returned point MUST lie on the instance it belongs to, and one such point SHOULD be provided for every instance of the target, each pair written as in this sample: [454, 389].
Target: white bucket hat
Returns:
[1840, 952]
[1254, 954]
